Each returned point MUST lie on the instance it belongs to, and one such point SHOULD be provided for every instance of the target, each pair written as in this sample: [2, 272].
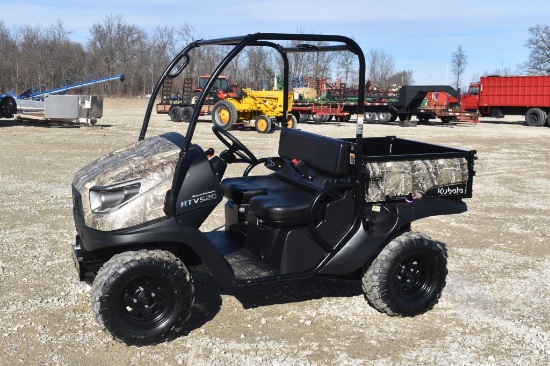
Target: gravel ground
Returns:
[494, 309]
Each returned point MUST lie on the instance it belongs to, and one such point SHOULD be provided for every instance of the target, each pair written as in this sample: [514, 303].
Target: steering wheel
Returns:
[235, 146]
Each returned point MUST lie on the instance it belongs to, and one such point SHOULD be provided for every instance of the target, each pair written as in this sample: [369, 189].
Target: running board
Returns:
[246, 266]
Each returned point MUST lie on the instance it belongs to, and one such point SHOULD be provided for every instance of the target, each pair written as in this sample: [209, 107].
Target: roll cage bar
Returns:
[180, 62]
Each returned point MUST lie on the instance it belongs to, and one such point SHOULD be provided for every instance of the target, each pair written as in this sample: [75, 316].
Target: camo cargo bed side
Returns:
[418, 170]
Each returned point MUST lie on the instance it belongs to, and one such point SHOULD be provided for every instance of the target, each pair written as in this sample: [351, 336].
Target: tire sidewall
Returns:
[425, 301]
[380, 279]
[108, 300]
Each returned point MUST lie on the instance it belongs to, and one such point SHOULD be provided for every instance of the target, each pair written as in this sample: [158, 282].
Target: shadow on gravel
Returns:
[46, 124]
[208, 303]
[208, 299]
[500, 122]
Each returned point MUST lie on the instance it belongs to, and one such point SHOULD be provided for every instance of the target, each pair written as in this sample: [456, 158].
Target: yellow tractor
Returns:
[258, 109]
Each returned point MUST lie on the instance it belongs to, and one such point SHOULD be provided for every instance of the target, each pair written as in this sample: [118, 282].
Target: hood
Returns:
[149, 164]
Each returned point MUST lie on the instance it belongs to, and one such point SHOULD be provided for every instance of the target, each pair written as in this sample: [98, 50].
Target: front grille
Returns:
[77, 204]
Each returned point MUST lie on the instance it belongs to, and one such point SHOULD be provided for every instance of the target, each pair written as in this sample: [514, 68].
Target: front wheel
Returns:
[291, 122]
[263, 124]
[142, 298]
[407, 277]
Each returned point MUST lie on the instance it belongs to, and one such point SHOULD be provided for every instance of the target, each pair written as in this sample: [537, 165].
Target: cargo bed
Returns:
[397, 169]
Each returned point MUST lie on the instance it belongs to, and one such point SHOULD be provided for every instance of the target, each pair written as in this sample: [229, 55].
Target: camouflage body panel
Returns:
[150, 162]
[399, 179]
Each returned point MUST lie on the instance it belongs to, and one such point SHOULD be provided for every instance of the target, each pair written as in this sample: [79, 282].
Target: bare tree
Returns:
[380, 68]
[8, 61]
[459, 60]
[401, 78]
[505, 71]
[539, 56]
[117, 47]
[346, 68]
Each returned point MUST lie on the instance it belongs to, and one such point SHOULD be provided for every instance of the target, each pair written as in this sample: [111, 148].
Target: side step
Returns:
[245, 265]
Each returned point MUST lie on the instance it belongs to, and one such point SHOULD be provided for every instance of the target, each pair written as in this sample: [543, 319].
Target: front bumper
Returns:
[86, 263]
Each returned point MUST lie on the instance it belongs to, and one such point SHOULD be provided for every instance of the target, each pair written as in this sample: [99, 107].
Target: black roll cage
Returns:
[266, 40]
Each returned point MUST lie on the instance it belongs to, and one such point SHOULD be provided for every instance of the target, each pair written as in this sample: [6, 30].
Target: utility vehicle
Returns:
[335, 208]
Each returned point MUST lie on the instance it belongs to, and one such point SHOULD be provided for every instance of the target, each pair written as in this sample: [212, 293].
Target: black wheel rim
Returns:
[414, 278]
[146, 301]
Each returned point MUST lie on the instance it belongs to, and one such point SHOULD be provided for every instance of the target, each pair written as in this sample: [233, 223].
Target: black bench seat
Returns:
[289, 205]
[241, 189]
[285, 197]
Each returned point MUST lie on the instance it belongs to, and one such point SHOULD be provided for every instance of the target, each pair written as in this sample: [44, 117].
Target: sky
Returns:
[420, 35]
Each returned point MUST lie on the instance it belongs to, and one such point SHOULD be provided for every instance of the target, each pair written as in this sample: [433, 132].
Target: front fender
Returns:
[161, 231]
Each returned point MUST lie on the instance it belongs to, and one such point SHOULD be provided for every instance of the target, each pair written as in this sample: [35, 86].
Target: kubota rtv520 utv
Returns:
[337, 208]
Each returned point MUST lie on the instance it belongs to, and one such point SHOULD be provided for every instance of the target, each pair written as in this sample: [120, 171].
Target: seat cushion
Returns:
[283, 205]
[241, 189]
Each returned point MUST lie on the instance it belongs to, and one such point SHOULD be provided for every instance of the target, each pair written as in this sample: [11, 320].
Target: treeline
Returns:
[46, 57]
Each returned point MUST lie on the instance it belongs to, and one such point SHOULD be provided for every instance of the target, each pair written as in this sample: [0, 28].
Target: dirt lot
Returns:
[494, 309]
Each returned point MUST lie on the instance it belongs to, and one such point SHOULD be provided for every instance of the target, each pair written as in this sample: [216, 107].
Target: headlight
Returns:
[105, 198]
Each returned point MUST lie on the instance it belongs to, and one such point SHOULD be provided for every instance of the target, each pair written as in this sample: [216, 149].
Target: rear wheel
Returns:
[407, 277]
[142, 298]
[175, 113]
[535, 117]
[8, 107]
[384, 117]
[370, 117]
[303, 117]
[224, 114]
[263, 124]
[319, 118]
[186, 113]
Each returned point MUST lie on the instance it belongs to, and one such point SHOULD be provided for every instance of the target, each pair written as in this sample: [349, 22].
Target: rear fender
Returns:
[380, 224]
[427, 207]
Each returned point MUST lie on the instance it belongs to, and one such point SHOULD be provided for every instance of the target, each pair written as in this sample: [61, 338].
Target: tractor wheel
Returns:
[291, 122]
[186, 114]
[393, 118]
[263, 124]
[224, 114]
[8, 107]
[384, 117]
[176, 113]
[535, 117]
[407, 277]
[142, 297]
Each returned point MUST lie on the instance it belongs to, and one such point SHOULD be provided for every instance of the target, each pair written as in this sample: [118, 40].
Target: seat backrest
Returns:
[329, 155]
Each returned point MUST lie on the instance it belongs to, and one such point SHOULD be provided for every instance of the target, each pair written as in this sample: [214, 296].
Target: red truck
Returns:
[496, 96]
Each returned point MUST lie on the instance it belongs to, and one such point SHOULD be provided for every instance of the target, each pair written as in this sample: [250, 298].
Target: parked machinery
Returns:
[496, 96]
[254, 108]
[53, 104]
